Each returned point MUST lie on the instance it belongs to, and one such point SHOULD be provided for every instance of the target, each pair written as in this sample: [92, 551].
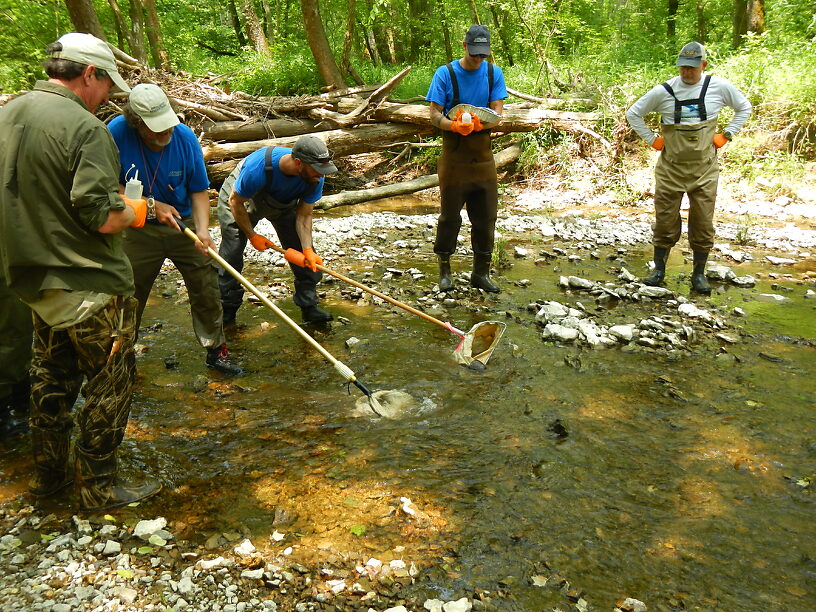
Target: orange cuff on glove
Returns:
[295, 257]
[312, 259]
[261, 243]
[139, 208]
[658, 143]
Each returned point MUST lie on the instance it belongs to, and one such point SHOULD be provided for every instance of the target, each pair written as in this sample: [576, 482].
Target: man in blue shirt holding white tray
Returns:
[467, 171]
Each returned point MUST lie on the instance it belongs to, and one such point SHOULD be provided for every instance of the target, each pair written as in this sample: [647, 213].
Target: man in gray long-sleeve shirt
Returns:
[689, 105]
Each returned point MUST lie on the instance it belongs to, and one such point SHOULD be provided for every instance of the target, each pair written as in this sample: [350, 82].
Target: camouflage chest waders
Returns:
[99, 349]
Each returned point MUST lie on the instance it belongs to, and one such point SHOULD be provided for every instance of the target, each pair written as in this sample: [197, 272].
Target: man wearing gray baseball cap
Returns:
[689, 105]
[61, 219]
[281, 185]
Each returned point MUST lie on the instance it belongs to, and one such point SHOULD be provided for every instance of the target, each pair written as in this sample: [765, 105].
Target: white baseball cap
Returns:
[151, 104]
[90, 50]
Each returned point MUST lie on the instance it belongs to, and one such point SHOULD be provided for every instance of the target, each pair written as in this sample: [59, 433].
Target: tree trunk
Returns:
[474, 13]
[154, 36]
[269, 26]
[419, 19]
[443, 17]
[236, 23]
[253, 28]
[502, 34]
[83, 16]
[671, 20]
[756, 16]
[348, 37]
[749, 16]
[137, 28]
[702, 31]
[119, 24]
[371, 44]
[319, 44]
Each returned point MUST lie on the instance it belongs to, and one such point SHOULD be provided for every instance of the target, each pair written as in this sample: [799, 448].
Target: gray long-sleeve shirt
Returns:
[720, 93]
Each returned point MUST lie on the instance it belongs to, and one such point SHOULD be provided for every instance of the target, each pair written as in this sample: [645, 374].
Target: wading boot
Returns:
[315, 314]
[445, 279]
[698, 278]
[480, 277]
[655, 279]
[52, 472]
[98, 485]
[218, 359]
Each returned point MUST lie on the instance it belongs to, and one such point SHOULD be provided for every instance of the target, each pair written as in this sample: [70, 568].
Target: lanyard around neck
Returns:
[155, 171]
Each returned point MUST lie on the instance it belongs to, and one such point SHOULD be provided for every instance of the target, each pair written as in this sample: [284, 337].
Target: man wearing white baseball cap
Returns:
[61, 219]
[166, 156]
[91, 51]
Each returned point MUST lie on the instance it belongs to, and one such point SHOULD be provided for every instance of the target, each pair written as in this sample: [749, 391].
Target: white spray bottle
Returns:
[133, 187]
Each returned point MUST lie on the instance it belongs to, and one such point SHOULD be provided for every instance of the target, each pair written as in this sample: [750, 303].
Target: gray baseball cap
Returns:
[478, 40]
[693, 54]
[310, 149]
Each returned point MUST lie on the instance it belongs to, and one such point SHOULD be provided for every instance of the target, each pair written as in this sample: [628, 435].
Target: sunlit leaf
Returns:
[125, 573]
[357, 530]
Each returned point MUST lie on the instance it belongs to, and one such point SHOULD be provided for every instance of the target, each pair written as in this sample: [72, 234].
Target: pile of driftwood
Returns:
[351, 121]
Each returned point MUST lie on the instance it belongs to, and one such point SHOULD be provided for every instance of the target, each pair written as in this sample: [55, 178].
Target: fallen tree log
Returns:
[349, 198]
[551, 102]
[237, 131]
[514, 119]
[361, 139]
[414, 119]
[363, 109]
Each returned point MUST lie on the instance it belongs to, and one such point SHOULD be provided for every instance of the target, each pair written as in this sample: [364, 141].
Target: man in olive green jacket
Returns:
[61, 216]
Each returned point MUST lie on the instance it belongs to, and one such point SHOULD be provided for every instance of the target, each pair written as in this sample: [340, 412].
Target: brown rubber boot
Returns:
[51, 465]
[445, 279]
[98, 485]
[480, 277]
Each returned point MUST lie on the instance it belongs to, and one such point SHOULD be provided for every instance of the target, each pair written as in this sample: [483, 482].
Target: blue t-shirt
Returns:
[252, 179]
[171, 175]
[473, 85]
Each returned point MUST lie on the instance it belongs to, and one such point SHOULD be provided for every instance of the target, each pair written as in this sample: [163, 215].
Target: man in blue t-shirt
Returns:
[168, 159]
[467, 171]
[281, 185]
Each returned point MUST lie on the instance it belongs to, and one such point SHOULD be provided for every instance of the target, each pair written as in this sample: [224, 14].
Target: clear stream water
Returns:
[668, 478]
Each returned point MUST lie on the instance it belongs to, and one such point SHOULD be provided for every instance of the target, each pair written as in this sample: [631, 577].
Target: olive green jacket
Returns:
[59, 179]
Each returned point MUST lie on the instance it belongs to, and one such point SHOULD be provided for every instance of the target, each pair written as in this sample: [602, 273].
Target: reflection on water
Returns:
[578, 466]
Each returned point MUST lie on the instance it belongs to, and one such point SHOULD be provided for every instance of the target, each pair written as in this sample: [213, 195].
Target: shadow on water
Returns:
[559, 463]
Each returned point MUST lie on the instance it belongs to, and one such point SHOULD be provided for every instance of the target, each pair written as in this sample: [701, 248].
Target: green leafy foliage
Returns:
[357, 530]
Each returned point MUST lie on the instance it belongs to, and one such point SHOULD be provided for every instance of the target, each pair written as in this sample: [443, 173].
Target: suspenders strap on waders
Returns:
[455, 83]
[678, 104]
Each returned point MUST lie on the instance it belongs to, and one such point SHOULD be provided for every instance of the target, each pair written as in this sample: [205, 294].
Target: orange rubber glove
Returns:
[461, 128]
[312, 259]
[260, 243]
[719, 140]
[477, 124]
[295, 257]
[658, 143]
[139, 209]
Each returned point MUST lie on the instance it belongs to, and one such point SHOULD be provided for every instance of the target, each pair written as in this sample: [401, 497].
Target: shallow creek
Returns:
[665, 477]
